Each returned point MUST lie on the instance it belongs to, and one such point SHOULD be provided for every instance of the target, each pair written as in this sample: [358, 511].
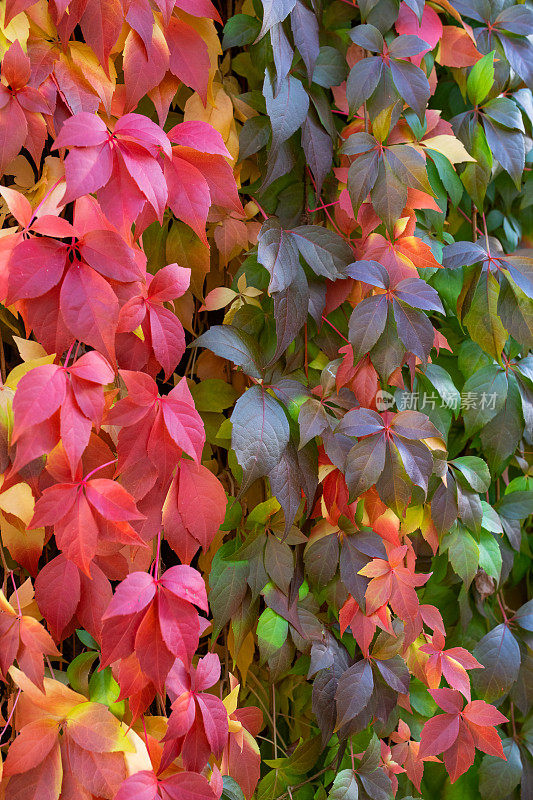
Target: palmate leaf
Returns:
[353, 192]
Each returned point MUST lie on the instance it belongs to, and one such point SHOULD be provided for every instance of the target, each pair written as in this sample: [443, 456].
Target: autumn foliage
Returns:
[266, 403]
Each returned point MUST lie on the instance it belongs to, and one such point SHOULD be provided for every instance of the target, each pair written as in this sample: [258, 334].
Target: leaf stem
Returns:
[304, 783]
[6, 726]
[97, 469]
[157, 554]
[274, 731]
[462, 213]
[502, 609]
[2, 359]
[16, 593]
[335, 329]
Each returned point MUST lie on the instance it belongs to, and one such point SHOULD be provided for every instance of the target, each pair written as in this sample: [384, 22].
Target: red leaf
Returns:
[186, 583]
[108, 254]
[195, 507]
[101, 24]
[55, 604]
[182, 421]
[111, 500]
[145, 64]
[460, 756]
[189, 56]
[39, 395]
[481, 713]
[178, 622]
[215, 719]
[154, 656]
[439, 734]
[486, 739]
[89, 307]
[77, 534]
[31, 746]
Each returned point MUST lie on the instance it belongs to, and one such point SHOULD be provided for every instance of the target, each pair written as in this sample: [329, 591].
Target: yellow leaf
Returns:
[18, 501]
[138, 759]
[219, 114]
[245, 655]
[28, 349]
[22, 369]
[413, 519]
[219, 298]
[449, 146]
[56, 699]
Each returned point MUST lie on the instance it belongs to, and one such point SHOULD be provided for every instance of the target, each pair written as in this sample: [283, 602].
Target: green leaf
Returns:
[330, 67]
[78, 671]
[227, 583]
[240, 30]
[272, 631]
[213, 394]
[475, 471]
[463, 551]
[229, 342]
[344, 786]
[483, 396]
[260, 433]
[499, 653]
[104, 689]
[490, 557]
[481, 319]
[86, 638]
[498, 778]
[231, 789]
[481, 78]
[421, 700]
[448, 175]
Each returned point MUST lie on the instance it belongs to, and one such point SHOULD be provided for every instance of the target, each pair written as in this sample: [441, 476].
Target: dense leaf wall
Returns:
[266, 407]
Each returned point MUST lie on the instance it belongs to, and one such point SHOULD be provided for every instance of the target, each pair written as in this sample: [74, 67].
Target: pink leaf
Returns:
[143, 131]
[87, 170]
[187, 584]
[168, 283]
[132, 595]
[188, 194]
[147, 174]
[108, 253]
[35, 267]
[199, 136]
[182, 421]
[81, 130]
